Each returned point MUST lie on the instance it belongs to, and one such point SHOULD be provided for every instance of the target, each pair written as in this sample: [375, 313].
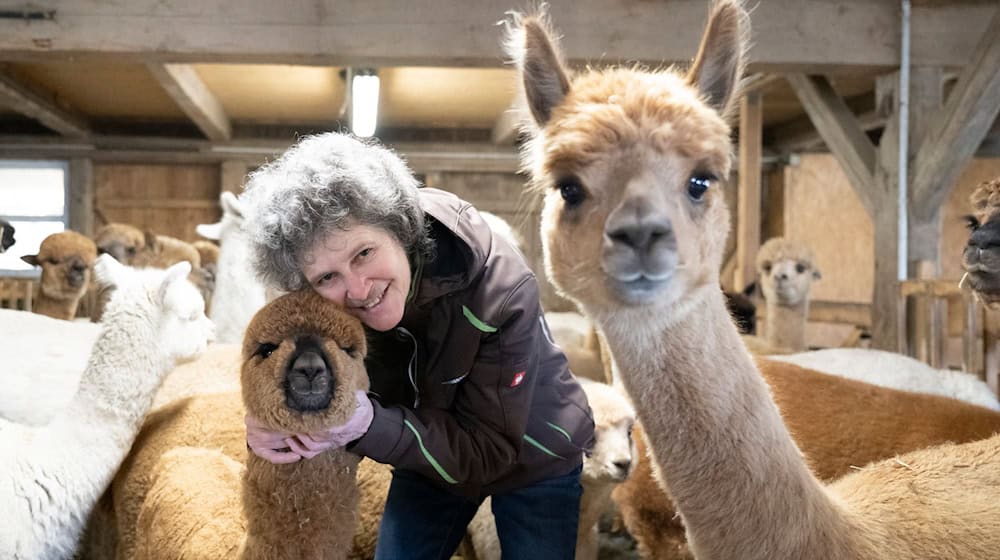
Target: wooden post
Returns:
[233, 175]
[748, 213]
[81, 196]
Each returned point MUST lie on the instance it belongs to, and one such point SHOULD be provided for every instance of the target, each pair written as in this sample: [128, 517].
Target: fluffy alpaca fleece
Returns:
[238, 292]
[66, 259]
[896, 371]
[838, 424]
[54, 474]
[634, 229]
[786, 270]
[191, 417]
[43, 361]
[609, 463]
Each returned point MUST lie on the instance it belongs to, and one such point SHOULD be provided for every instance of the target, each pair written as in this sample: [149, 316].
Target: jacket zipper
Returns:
[412, 367]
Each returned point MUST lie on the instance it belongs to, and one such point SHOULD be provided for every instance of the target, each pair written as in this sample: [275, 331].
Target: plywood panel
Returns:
[167, 199]
[822, 211]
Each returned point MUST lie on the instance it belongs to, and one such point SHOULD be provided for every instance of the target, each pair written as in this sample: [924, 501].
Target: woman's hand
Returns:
[269, 445]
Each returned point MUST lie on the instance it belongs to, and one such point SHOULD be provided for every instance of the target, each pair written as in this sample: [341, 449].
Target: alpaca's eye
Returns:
[972, 223]
[800, 268]
[352, 351]
[52, 261]
[698, 184]
[266, 349]
[130, 251]
[571, 191]
[766, 267]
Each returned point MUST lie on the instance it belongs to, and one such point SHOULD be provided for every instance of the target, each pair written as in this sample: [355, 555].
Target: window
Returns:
[33, 198]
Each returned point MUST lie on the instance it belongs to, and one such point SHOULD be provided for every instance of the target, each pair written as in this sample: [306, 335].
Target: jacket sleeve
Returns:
[480, 438]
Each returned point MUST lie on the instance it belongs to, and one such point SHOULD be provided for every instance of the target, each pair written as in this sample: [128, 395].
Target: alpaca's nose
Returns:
[641, 234]
[309, 365]
[623, 464]
[309, 383]
[781, 276]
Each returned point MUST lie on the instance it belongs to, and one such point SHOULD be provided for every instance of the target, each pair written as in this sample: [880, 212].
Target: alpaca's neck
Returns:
[238, 293]
[736, 477]
[593, 503]
[125, 368]
[57, 308]
[306, 510]
[786, 326]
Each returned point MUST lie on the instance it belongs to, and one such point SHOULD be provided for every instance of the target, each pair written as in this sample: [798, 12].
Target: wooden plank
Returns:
[801, 136]
[748, 203]
[81, 196]
[186, 88]
[888, 330]
[163, 203]
[961, 126]
[34, 104]
[841, 132]
[233, 175]
[787, 33]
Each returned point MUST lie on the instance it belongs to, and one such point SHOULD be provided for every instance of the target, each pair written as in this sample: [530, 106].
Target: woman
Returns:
[470, 398]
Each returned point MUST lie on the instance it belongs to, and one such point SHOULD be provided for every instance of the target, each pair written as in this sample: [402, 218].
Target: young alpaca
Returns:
[608, 465]
[786, 270]
[54, 474]
[6, 236]
[981, 258]
[634, 229]
[238, 293]
[303, 361]
[66, 259]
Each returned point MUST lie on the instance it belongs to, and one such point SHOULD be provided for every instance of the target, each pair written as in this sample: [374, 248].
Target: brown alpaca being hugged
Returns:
[67, 259]
[634, 228]
[302, 362]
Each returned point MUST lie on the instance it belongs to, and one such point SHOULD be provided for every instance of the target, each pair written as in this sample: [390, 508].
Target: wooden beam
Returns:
[422, 157]
[799, 135]
[841, 132]
[186, 88]
[961, 126]
[36, 105]
[748, 201]
[759, 82]
[802, 34]
[81, 196]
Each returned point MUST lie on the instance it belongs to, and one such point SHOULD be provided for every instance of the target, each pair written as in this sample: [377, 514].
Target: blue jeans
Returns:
[424, 522]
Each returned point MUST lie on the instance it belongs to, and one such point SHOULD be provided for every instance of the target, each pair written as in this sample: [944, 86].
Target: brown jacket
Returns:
[470, 390]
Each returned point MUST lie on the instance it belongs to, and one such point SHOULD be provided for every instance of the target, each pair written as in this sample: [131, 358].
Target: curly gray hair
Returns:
[324, 182]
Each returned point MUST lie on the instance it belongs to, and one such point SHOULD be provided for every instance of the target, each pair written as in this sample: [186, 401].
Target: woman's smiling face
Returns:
[365, 269]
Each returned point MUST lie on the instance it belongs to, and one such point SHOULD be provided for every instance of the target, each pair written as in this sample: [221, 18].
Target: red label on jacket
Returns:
[518, 378]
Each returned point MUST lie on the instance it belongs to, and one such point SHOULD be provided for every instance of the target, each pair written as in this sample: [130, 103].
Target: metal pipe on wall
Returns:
[904, 142]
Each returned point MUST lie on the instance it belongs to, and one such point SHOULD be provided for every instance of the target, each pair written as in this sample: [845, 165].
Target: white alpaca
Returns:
[896, 371]
[53, 475]
[609, 463]
[786, 270]
[43, 358]
[238, 293]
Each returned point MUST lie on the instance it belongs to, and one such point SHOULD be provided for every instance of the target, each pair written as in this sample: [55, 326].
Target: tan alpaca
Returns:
[634, 229]
[981, 257]
[786, 270]
[67, 259]
[302, 363]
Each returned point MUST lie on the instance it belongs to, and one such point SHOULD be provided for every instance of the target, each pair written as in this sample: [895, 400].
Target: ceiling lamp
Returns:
[364, 102]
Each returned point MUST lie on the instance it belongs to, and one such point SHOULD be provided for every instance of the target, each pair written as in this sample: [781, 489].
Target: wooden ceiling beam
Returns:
[840, 130]
[34, 104]
[960, 127]
[185, 87]
[818, 35]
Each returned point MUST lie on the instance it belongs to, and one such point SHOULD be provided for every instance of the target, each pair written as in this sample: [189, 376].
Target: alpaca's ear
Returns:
[31, 259]
[108, 272]
[175, 273]
[533, 47]
[210, 231]
[718, 66]
[231, 204]
[151, 243]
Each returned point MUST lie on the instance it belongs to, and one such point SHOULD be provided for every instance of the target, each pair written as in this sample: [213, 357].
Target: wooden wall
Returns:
[167, 199]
